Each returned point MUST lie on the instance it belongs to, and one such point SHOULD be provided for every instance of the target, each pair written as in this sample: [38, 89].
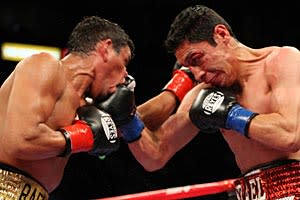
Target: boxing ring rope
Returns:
[180, 192]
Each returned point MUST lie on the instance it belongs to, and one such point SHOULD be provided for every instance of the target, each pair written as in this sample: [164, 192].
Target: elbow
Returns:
[24, 147]
[292, 142]
[156, 161]
[286, 136]
[151, 155]
[154, 165]
[293, 145]
[18, 151]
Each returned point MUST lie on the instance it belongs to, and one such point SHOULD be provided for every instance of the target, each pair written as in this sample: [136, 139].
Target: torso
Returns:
[256, 96]
[48, 171]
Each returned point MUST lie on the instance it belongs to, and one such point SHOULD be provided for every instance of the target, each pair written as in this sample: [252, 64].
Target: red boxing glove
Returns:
[181, 82]
[80, 136]
[94, 132]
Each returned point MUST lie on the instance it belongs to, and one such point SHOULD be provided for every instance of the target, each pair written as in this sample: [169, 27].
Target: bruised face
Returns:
[208, 63]
[111, 73]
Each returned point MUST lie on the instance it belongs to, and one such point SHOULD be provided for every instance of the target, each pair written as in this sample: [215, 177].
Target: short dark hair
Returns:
[194, 24]
[92, 29]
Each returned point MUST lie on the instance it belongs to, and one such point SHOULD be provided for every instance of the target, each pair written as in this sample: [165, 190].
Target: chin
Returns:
[101, 98]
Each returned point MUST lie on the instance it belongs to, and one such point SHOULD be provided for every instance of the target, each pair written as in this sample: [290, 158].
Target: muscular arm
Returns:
[156, 110]
[37, 85]
[280, 129]
[155, 148]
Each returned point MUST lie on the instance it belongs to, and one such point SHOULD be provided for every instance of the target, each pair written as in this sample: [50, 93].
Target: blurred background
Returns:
[207, 158]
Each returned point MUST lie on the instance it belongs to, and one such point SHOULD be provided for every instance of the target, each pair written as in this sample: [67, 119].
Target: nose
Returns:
[121, 82]
[123, 79]
[199, 74]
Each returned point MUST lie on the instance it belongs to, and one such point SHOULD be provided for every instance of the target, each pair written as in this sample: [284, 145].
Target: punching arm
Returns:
[182, 81]
[94, 132]
[218, 108]
[121, 106]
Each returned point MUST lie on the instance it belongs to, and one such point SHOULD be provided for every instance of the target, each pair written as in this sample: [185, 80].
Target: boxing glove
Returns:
[218, 108]
[182, 81]
[94, 132]
[122, 108]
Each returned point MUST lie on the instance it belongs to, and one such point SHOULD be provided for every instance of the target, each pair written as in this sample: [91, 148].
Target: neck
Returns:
[79, 72]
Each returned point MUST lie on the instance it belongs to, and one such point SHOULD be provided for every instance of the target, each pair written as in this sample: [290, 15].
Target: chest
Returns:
[257, 97]
[64, 110]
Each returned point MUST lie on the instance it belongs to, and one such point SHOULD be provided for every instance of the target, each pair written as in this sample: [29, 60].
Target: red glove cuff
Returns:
[79, 137]
[180, 84]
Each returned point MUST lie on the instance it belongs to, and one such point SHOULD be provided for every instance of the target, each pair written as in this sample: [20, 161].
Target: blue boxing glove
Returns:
[218, 108]
[121, 106]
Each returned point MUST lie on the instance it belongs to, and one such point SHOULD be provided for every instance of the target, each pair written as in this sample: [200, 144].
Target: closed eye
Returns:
[195, 62]
[194, 59]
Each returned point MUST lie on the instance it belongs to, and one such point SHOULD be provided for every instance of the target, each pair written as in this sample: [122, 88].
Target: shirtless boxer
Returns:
[39, 102]
[251, 95]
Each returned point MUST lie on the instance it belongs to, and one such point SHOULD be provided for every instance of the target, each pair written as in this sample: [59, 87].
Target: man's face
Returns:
[111, 74]
[208, 63]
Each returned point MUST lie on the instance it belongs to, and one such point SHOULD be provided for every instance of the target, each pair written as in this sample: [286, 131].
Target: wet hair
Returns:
[93, 29]
[194, 24]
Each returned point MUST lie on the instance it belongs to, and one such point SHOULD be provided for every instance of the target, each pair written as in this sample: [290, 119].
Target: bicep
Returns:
[280, 127]
[177, 131]
[32, 97]
[154, 149]
[156, 110]
[284, 78]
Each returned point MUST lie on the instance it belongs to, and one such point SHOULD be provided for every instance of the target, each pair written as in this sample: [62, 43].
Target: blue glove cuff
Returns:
[132, 131]
[239, 118]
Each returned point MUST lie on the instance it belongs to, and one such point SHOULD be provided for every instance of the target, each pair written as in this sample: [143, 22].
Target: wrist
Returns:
[68, 148]
[180, 84]
[239, 119]
[79, 138]
[132, 131]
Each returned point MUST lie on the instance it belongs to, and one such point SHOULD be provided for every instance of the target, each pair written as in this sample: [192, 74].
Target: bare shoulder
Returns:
[43, 64]
[40, 60]
[286, 55]
[282, 64]
[286, 51]
[290, 49]
[40, 69]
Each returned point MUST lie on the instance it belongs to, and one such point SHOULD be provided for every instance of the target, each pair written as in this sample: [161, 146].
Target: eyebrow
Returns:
[187, 58]
[191, 54]
[127, 61]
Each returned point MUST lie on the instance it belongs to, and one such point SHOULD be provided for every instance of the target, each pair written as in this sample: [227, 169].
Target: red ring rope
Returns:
[180, 192]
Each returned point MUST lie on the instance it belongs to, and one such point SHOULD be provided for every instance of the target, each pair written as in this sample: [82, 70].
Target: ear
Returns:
[103, 48]
[221, 33]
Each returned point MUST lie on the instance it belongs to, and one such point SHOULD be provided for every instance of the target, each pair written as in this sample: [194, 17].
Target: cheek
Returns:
[118, 76]
[195, 70]
[102, 83]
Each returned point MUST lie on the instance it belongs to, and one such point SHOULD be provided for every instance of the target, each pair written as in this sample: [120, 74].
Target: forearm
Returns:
[156, 110]
[41, 143]
[275, 131]
[147, 152]
[154, 149]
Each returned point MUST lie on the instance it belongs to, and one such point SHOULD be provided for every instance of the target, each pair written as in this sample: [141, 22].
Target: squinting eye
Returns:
[195, 61]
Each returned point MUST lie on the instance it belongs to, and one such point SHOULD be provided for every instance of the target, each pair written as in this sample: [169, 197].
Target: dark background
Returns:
[207, 158]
